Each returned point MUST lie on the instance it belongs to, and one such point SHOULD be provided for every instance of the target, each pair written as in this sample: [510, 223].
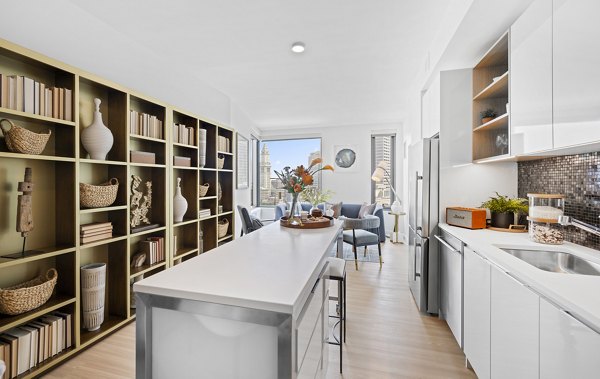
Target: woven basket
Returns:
[29, 295]
[223, 227]
[103, 195]
[220, 162]
[21, 140]
[203, 189]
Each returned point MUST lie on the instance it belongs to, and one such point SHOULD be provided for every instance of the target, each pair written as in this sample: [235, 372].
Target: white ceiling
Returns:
[360, 61]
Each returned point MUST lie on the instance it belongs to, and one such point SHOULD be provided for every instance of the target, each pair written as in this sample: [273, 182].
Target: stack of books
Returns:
[183, 134]
[143, 124]
[24, 347]
[95, 231]
[223, 144]
[28, 95]
[154, 248]
[204, 212]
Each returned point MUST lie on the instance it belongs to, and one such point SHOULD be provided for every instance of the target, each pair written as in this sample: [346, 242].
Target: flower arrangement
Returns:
[296, 180]
[315, 196]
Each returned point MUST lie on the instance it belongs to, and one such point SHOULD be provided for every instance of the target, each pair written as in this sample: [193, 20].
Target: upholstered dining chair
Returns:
[249, 224]
[356, 232]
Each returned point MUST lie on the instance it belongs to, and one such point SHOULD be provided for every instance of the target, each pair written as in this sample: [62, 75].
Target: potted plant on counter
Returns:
[488, 115]
[505, 210]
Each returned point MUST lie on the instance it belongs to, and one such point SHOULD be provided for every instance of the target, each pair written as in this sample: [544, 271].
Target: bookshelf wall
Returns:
[64, 163]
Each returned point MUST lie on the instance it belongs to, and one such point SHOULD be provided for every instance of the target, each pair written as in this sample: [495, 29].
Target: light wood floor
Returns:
[387, 337]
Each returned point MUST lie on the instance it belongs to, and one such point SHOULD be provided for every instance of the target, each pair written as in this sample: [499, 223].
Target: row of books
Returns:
[224, 144]
[154, 248]
[205, 212]
[143, 124]
[26, 346]
[95, 231]
[28, 95]
[184, 134]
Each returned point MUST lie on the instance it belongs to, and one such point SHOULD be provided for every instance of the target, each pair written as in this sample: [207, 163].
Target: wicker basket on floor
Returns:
[29, 295]
[21, 140]
[203, 189]
[223, 228]
[103, 195]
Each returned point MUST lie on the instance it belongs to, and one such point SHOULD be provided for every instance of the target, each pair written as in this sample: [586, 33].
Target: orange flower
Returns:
[297, 188]
[316, 161]
[300, 170]
[328, 167]
[307, 179]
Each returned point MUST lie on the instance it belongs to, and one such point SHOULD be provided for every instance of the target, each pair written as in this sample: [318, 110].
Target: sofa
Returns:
[348, 210]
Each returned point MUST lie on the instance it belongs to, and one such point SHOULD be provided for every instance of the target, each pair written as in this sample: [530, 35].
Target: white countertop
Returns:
[577, 294]
[269, 269]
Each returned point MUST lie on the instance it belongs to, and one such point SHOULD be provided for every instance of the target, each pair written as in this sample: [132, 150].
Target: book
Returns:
[43, 339]
[23, 348]
[49, 102]
[98, 237]
[68, 325]
[68, 104]
[61, 103]
[36, 98]
[12, 92]
[95, 225]
[55, 330]
[3, 91]
[49, 335]
[95, 232]
[55, 102]
[42, 99]
[28, 95]
[34, 344]
[19, 92]
[142, 157]
[11, 357]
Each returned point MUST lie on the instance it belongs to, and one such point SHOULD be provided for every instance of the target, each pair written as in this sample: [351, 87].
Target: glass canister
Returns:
[544, 210]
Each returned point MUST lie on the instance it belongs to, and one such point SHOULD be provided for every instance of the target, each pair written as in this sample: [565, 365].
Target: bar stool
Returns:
[337, 272]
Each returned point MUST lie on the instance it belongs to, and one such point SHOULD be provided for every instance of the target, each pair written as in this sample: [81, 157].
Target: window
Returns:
[383, 148]
[277, 154]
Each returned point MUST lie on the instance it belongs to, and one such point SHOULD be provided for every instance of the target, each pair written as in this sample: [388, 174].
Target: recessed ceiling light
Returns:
[298, 47]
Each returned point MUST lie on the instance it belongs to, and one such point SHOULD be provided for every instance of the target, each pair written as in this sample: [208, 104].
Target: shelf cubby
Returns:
[99, 173]
[63, 133]
[209, 234]
[114, 111]
[157, 175]
[211, 144]
[226, 182]
[189, 190]
[118, 218]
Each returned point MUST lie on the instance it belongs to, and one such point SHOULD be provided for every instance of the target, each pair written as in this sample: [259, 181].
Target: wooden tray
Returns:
[310, 223]
[510, 229]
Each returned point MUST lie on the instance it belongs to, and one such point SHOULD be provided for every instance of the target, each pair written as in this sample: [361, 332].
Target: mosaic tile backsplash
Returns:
[575, 176]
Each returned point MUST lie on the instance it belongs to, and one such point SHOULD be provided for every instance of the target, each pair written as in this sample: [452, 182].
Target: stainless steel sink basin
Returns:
[556, 261]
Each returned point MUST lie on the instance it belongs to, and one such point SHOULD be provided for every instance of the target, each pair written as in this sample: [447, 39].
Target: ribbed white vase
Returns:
[180, 204]
[97, 139]
[93, 284]
[202, 147]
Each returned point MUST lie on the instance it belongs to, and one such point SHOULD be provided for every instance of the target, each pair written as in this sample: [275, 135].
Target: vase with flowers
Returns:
[296, 180]
[315, 196]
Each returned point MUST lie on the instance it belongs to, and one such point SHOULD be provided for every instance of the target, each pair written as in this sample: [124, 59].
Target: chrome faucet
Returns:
[567, 220]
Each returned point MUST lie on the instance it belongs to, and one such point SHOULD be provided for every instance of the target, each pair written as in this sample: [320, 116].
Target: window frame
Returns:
[391, 170]
[260, 142]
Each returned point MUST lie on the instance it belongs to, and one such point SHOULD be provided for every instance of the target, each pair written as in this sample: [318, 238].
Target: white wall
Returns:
[351, 187]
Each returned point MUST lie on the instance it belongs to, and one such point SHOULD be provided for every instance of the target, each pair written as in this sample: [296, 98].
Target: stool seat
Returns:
[337, 267]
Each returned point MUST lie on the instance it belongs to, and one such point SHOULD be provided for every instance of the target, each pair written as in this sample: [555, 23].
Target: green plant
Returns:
[488, 113]
[315, 196]
[502, 204]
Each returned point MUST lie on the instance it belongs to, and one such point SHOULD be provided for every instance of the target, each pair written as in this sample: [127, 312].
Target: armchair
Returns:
[357, 233]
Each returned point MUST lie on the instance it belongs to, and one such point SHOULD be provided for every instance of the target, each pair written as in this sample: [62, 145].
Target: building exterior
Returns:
[382, 151]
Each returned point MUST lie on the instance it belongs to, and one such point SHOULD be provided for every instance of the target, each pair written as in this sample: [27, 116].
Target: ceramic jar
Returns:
[180, 204]
[97, 139]
[93, 285]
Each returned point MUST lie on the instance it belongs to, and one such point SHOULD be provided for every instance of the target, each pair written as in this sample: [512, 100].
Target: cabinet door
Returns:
[531, 79]
[576, 60]
[477, 313]
[568, 349]
[515, 328]
[451, 284]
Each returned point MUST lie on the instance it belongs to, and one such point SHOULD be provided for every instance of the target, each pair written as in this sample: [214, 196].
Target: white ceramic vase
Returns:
[202, 147]
[180, 204]
[93, 284]
[97, 138]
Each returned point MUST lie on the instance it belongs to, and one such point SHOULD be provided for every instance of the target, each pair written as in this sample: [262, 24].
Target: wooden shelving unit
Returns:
[492, 139]
[64, 163]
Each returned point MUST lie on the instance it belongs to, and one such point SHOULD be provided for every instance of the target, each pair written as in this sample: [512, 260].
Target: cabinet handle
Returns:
[445, 243]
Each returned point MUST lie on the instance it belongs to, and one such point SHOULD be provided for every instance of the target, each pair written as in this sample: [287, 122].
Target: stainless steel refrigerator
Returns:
[423, 173]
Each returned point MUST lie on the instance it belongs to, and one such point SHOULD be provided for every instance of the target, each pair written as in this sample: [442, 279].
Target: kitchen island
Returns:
[252, 308]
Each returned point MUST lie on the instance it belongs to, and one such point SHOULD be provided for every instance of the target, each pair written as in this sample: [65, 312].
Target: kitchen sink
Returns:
[556, 261]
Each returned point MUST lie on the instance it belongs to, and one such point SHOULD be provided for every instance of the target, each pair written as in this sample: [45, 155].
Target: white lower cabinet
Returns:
[477, 272]
[514, 326]
[568, 348]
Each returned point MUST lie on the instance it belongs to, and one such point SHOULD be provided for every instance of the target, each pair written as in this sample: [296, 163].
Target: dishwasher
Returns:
[451, 282]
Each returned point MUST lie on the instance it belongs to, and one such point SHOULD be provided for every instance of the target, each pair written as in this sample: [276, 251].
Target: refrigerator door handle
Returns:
[415, 273]
[418, 177]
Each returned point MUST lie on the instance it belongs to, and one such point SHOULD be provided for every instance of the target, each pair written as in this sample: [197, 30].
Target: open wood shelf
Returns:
[496, 89]
[499, 122]
[65, 163]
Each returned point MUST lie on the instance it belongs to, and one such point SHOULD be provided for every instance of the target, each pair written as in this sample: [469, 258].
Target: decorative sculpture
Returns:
[140, 203]
[24, 210]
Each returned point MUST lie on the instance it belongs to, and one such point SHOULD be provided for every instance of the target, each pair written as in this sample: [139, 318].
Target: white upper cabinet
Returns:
[514, 325]
[576, 60]
[568, 349]
[531, 79]
[431, 109]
